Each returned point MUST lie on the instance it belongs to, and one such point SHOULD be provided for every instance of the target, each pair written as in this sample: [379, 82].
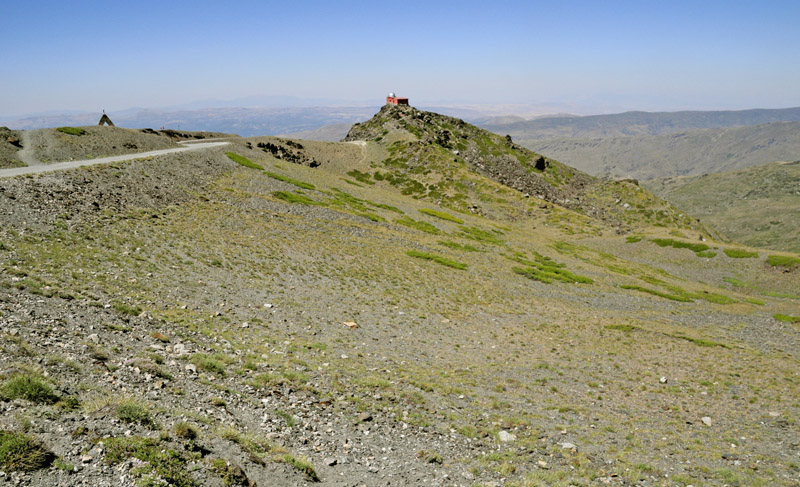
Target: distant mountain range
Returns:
[692, 152]
[635, 123]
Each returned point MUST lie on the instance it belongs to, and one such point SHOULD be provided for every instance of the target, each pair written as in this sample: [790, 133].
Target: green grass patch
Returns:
[786, 318]
[133, 412]
[21, 452]
[168, 464]
[436, 258]
[781, 295]
[294, 198]
[71, 131]
[740, 254]
[286, 179]
[783, 261]
[712, 297]
[707, 254]
[127, 309]
[361, 177]
[388, 207]
[633, 239]
[546, 270]
[755, 301]
[418, 225]
[29, 387]
[442, 215]
[372, 217]
[668, 242]
[484, 236]
[208, 363]
[673, 297]
[243, 161]
[458, 246]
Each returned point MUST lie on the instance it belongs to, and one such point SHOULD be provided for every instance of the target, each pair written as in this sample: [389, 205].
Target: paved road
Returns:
[58, 166]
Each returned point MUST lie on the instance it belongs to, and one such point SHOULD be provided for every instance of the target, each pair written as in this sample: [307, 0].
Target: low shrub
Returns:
[29, 387]
[208, 363]
[132, 412]
[170, 465]
[21, 452]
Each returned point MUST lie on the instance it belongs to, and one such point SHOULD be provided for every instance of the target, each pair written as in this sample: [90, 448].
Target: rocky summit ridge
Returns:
[434, 156]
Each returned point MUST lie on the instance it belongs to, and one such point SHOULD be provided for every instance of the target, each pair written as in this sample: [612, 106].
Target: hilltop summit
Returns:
[436, 157]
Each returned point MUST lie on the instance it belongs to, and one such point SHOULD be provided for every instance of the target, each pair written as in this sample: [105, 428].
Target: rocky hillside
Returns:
[436, 157]
[287, 313]
[757, 206]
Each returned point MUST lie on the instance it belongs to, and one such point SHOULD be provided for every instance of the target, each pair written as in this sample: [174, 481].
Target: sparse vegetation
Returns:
[437, 258]
[668, 242]
[243, 161]
[134, 412]
[286, 179]
[71, 131]
[783, 261]
[294, 198]
[168, 464]
[361, 177]
[484, 236]
[673, 297]
[458, 246]
[442, 215]
[21, 452]
[740, 254]
[186, 431]
[29, 387]
[301, 465]
[786, 318]
[418, 225]
[208, 363]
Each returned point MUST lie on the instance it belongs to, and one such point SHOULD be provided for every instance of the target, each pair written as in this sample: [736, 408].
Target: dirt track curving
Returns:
[19, 171]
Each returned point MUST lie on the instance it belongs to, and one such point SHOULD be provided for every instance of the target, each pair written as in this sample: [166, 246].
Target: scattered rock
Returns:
[505, 436]
[706, 420]
[351, 324]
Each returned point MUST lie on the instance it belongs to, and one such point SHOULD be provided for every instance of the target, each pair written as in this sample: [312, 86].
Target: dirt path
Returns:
[26, 154]
[37, 166]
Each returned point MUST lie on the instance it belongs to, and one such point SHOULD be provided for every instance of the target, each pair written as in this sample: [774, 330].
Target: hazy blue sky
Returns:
[614, 55]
